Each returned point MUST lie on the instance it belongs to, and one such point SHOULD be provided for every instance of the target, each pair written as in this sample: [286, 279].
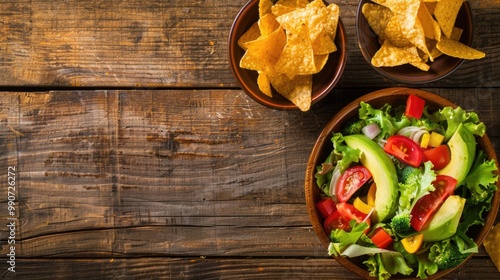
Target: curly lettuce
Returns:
[388, 121]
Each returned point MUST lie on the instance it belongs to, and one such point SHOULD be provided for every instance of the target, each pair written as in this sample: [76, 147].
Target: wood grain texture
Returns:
[126, 175]
[160, 43]
[211, 268]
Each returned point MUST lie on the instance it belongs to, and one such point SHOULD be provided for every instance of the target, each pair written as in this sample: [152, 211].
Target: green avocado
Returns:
[445, 221]
[383, 172]
[462, 151]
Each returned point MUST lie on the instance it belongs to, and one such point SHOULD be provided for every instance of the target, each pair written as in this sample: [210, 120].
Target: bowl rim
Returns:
[270, 102]
[386, 71]
[312, 191]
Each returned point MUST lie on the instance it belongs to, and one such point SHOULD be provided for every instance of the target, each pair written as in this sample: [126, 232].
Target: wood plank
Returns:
[131, 172]
[210, 268]
[171, 44]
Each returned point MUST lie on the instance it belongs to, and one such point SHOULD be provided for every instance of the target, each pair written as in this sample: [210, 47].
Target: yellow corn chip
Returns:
[417, 37]
[389, 56]
[297, 90]
[378, 17]
[323, 44]
[264, 7]
[332, 20]
[491, 245]
[431, 6]
[446, 13]
[264, 84]
[457, 49]
[320, 61]
[253, 33]
[428, 23]
[408, 9]
[263, 54]
[283, 7]
[312, 16]
[297, 57]
[268, 24]
[394, 33]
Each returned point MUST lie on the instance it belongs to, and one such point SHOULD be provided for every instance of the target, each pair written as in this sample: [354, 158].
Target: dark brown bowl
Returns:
[439, 68]
[323, 82]
[323, 146]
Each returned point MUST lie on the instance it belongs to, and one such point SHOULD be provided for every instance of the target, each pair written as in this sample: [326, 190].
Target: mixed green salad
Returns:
[402, 186]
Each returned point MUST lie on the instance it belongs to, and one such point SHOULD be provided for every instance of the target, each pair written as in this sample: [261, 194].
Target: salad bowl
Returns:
[323, 147]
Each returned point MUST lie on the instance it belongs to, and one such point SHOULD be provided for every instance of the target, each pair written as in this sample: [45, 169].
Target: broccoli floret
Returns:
[400, 223]
[353, 126]
[446, 255]
[410, 175]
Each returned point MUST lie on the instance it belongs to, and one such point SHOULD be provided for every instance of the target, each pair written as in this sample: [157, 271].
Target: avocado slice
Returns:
[462, 151]
[383, 172]
[445, 221]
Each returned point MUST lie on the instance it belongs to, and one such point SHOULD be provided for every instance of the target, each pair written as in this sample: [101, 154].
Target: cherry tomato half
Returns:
[335, 221]
[326, 206]
[404, 149]
[430, 203]
[439, 156]
[381, 238]
[349, 212]
[352, 179]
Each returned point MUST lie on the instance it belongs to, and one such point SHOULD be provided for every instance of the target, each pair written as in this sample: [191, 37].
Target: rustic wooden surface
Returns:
[138, 156]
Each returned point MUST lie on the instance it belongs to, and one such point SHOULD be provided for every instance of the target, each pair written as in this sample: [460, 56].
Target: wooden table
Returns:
[136, 154]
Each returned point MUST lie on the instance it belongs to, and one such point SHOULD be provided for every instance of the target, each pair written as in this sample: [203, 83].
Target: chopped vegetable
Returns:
[352, 179]
[326, 207]
[414, 107]
[371, 131]
[424, 140]
[412, 243]
[436, 139]
[361, 206]
[381, 238]
[429, 204]
[446, 255]
[370, 197]
[439, 156]
[404, 149]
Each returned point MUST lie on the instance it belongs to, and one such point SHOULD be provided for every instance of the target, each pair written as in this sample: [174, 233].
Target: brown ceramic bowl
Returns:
[323, 146]
[439, 68]
[323, 82]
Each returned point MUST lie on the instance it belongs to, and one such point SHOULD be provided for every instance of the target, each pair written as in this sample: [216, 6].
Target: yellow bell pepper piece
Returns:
[361, 206]
[424, 140]
[370, 197]
[412, 243]
[436, 139]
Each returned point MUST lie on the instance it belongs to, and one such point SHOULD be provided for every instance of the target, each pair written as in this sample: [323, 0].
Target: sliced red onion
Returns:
[333, 183]
[371, 131]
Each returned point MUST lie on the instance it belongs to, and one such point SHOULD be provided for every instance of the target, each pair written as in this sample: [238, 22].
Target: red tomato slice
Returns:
[326, 206]
[349, 212]
[404, 149]
[336, 221]
[439, 156]
[381, 238]
[352, 179]
[414, 107]
[430, 203]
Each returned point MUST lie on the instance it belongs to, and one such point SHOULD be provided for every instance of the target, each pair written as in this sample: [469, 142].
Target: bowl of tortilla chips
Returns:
[286, 54]
[415, 41]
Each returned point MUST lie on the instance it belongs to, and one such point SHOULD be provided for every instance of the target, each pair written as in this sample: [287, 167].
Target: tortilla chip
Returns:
[446, 13]
[253, 33]
[323, 44]
[457, 49]
[297, 90]
[394, 33]
[265, 7]
[428, 23]
[491, 245]
[297, 57]
[332, 20]
[378, 17]
[260, 56]
[264, 84]
[268, 24]
[389, 56]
